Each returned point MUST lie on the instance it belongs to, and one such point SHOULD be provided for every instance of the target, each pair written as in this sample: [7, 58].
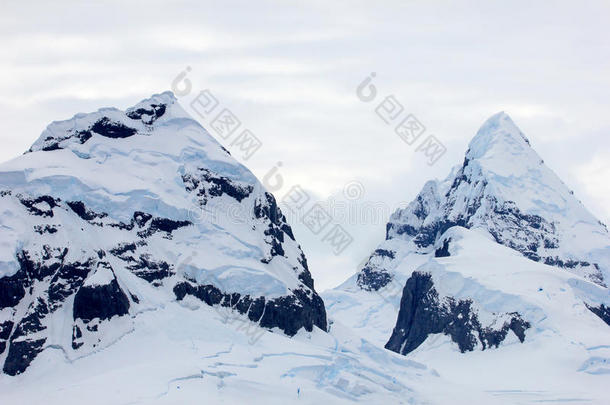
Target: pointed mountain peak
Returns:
[166, 99]
[499, 134]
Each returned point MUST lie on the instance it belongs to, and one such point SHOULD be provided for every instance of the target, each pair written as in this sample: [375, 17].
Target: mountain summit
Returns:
[497, 264]
[114, 213]
[498, 138]
[141, 263]
[505, 188]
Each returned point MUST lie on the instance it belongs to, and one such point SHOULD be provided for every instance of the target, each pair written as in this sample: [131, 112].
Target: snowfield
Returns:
[188, 352]
[566, 353]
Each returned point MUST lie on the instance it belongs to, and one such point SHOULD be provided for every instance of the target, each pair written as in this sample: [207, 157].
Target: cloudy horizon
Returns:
[290, 74]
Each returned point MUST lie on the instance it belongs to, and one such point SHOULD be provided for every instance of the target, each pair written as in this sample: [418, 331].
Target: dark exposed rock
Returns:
[267, 209]
[22, 350]
[289, 313]
[79, 209]
[399, 229]
[422, 313]
[39, 229]
[373, 279]
[21, 354]
[141, 218]
[148, 269]
[148, 224]
[77, 334]
[100, 301]
[373, 275]
[443, 251]
[53, 143]
[305, 276]
[63, 278]
[275, 239]
[164, 225]
[384, 253]
[32, 322]
[147, 115]
[469, 202]
[287, 230]
[83, 136]
[111, 129]
[37, 206]
[69, 278]
[6, 328]
[206, 293]
[12, 289]
[142, 265]
[428, 235]
[602, 311]
[208, 184]
[121, 250]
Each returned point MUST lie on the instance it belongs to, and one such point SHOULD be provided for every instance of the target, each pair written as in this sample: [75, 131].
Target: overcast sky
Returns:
[289, 72]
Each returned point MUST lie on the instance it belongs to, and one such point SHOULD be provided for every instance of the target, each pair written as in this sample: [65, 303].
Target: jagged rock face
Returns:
[501, 199]
[289, 313]
[113, 213]
[372, 276]
[504, 188]
[602, 311]
[423, 312]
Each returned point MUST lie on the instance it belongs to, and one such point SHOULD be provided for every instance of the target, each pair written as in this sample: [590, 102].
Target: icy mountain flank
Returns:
[115, 213]
[505, 188]
[500, 252]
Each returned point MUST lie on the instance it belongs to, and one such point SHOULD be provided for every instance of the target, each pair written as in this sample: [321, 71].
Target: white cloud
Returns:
[594, 176]
[289, 70]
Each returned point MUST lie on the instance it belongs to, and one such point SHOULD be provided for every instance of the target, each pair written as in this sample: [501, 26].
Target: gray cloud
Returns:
[289, 71]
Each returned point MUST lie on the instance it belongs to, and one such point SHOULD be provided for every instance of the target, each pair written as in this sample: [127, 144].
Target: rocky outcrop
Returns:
[301, 309]
[504, 188]
[374, 274]
[423, 312]
[602, 311]
[101, 301]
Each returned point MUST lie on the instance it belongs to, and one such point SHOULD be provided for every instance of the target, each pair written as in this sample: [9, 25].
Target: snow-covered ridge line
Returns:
[116, 212]
[499, 253]
[504, 188]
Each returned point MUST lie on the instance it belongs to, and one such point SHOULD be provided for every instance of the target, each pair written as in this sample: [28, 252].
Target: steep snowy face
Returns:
[505, 188]
[500, 215]
[113, 213]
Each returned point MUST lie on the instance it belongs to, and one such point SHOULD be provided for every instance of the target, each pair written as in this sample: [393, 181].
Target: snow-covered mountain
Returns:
[115, 213]
[140, 263]
[499, 261]
[504, 187]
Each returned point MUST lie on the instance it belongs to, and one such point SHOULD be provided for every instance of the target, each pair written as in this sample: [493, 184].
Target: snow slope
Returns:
[114, 213]
[186, 353]
[503, 186]
[496, 268]
[140, 263]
